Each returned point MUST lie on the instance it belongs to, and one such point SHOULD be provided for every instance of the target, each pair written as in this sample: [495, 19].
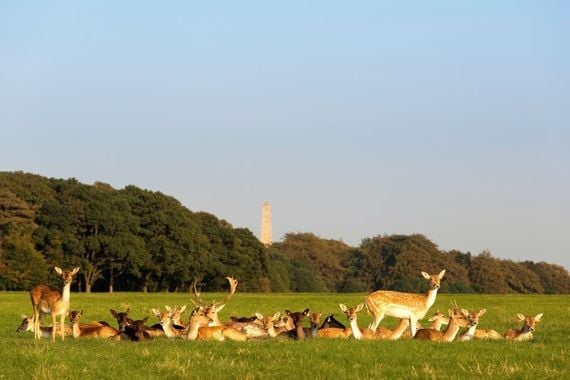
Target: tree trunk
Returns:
[111, 280]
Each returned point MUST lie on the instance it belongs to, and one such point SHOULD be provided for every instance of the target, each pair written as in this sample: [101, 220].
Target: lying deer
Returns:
[198, 329]
[457, 319]
[45, 332]
[403, 305]
[89, 330]
[165, 320]
[526, 332]
[134, 332]
[274, 326]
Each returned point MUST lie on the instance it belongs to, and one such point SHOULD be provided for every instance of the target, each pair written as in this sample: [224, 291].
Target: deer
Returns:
[298, 332]
[124, 321]
[165, 319]
[357, 332]
[135, 331]
[47, 301]
[315, 320]
[122, 318]
[527, 330]
[214, 308]
[274, 326]
[89, 330]
[438, 320]
[403, 305]
[198, 329]
[457, 319]
[473, 318]
[45, 332]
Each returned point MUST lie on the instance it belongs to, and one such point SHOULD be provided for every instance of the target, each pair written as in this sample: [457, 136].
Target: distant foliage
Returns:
[134, 239]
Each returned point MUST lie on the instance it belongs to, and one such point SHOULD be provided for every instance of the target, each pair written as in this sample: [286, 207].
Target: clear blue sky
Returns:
[446, 118]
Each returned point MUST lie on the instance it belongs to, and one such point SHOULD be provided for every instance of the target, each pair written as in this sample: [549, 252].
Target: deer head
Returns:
[434, 279]
[351, 313]
[66, 275]
[529, 321]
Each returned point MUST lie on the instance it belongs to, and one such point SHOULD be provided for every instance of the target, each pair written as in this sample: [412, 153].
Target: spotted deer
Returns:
[269, 323]
[457, 319]
[357, 332]
[527, 330]
[96, 330]
[403, 305]
[47, 301]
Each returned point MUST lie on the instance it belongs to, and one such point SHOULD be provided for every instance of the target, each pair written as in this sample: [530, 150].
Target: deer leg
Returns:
[413, 323]
[62, 320]
[377, 319]
[53, 326]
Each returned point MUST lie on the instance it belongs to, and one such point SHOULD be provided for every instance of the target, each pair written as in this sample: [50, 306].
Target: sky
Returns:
[353, 119]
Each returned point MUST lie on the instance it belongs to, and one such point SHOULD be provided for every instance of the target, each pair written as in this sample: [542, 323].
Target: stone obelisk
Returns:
[266, 224]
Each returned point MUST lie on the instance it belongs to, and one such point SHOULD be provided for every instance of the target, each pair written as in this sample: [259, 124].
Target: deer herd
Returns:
[205, 324]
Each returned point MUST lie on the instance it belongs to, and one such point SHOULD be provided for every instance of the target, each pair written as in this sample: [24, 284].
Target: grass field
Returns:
[547, 356]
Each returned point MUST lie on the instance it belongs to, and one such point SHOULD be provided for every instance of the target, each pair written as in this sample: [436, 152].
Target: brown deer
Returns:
[457, 319]
[165, 319]
[526, 332]
[438, 320]
[314, 320]
[135, 331]
[212, 309]
[198, 329]
[357, 332]
[122, 318]
[297, 332]
[403, 305]
[89, 330]
[45, 332]
[48, 301]
[274, 326]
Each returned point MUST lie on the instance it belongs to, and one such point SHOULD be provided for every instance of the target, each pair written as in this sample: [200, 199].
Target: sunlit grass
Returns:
[545, 357]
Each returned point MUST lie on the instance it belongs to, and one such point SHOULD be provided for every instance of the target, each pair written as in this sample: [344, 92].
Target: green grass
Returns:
[545, 357]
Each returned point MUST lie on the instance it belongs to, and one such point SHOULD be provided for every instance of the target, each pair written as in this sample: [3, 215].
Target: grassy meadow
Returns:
[547, 356]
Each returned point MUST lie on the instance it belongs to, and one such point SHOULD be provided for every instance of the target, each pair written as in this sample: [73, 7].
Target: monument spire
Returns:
[266, 224]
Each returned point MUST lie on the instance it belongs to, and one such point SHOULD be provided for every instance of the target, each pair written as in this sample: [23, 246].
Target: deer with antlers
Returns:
[403, 305]
[47, 301]
[457, 318]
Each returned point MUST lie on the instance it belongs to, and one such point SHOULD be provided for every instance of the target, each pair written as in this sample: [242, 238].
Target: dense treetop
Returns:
[135, 239]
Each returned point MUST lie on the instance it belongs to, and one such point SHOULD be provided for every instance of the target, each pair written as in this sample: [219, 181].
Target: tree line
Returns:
[133, 239]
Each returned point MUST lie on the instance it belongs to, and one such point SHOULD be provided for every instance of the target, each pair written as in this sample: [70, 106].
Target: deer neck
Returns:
[470, 333]
[65, 296]
[436, 325]
[451, 331]
[314, 329]
[169, 331]
[193, 328]
[430, 298]
[75, 330]
[356, 332]
[300, 332]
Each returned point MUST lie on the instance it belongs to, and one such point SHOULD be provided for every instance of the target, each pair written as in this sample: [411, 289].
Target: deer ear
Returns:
[276, 315]
[538, 317]
[168, 308]
[58, 270]
[155, 312]
[259, 316]
[219, 308]
[359, 307]
[426, 275]
[145, 319]
[74, 271]
[441, 274]
[306, 311]
[113, 313]
[482, 311]
[465, 312]
[287, 312]
[521, 317]
[24, 316]
[182, 309]
[342, 307]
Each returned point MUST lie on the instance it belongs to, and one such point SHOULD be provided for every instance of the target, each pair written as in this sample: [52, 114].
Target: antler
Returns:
[196, 300]
[233, 286]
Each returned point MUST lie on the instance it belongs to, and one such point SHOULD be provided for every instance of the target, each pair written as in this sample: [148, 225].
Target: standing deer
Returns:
[48, 301]
[403, 305]
[526, 332]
